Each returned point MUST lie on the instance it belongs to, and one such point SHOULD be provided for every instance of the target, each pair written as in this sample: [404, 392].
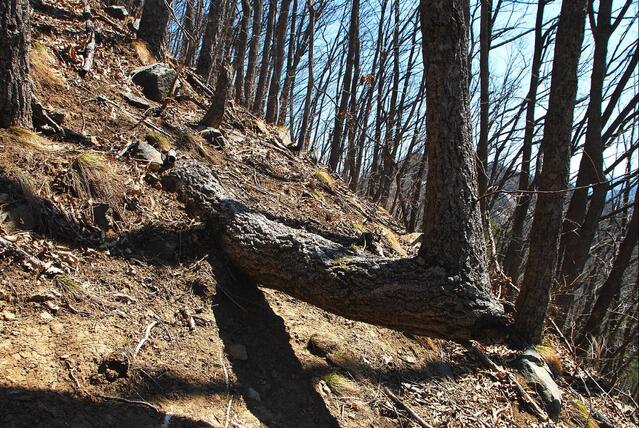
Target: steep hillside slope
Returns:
[123, 312]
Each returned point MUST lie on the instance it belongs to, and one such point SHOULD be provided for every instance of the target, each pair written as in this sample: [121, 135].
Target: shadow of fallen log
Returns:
[287, 396]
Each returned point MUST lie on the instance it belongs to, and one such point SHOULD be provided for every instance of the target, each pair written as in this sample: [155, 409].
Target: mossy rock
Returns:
[340, 385]
[392, 240]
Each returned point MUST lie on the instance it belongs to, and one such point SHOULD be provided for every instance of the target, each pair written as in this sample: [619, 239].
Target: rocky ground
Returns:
[122, 312]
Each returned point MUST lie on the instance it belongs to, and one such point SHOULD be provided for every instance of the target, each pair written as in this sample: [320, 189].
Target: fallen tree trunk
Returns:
[408, 295]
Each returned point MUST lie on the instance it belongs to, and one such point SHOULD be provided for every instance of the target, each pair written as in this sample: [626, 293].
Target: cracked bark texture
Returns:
[15, 42]
[453, 237]
[408, 295]
[153, 24]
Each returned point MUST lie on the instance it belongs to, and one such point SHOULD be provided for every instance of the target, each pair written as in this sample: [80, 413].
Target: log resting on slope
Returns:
[401, 294]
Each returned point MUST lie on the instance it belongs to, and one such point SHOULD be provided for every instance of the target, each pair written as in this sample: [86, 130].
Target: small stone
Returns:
[146, 152]
[135, 100]
[7, 315]
[51, 306]
[46, 316]
[117, 12]
[41, 297]
[538, 375]
[156, 80]
[237, 351]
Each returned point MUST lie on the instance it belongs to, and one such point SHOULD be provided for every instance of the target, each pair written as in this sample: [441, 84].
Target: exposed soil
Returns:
[220, 350]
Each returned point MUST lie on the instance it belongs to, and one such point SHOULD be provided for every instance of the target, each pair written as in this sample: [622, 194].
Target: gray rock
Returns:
[117, 12]
[155, 79]
[7, 315]
[538, 375]
[237, 351]
[147, 152]
[135, 101]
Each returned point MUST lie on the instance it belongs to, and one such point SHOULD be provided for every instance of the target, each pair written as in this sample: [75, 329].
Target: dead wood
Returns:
[409, 409]
[403, 294]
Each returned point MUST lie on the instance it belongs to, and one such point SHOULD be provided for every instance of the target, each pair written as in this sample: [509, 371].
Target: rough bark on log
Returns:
[403, 294]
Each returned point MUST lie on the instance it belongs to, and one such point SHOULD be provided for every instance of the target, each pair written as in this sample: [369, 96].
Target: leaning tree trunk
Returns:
[15, 86]
[443, 292]
[153, 24]
[533, 299]
[404, 294]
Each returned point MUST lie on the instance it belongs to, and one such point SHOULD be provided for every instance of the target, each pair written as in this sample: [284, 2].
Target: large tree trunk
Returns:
[453, 237]
[533, 299]
[155, 18]
[15, 42]
[515, 252]
[406, 294]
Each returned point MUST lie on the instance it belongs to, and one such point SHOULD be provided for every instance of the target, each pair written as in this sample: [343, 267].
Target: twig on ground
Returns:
[72, 374]
[134, 402]
[132, 116]
[405, 406]
[147, 333]
[227, 418]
